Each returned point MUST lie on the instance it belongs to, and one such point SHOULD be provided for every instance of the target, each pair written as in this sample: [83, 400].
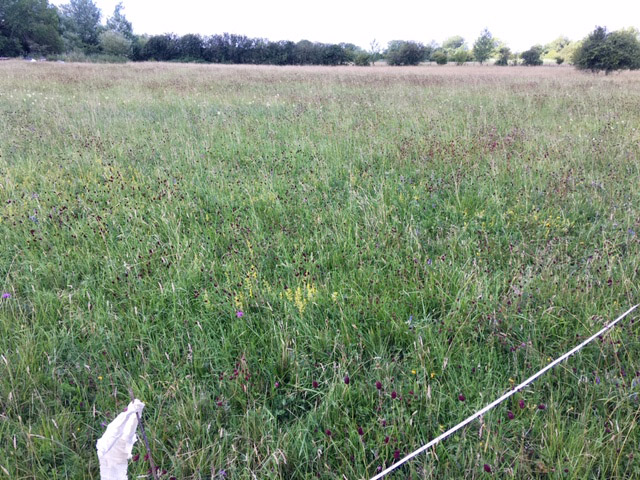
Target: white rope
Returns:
[502, 398]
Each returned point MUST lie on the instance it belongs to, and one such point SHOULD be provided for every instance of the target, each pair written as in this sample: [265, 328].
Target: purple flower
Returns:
[239, 314]
[347, 379]
[462, 398]
[327, 432]
[487, 468]
[277, 384]
[521, 403]
[314, 384]
[6, 295]
[510, 415]
[396, 455]
[379, 385]
[394, 395]
[542, 406]
[360, 431]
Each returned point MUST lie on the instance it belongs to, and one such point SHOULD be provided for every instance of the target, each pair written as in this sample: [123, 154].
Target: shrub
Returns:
[401, 52]
[503, 56]
[114, 43]
[362, 59]
[531, 57]
[559, 60]
[606, 51]
[440, 57]
[460, 56]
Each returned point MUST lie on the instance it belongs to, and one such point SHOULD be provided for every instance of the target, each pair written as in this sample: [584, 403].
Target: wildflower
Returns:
[396, 455]
[461, 397]
[413, 372]
[314, 384]
[346, 379]
[394, 394]
[433, 374]
[327, 432]
[379, 385]
[277, 384]
[487, 468]
[510, 415]
[6, 295]
[521, 403]
[360, 431]
[136, 457]
[542, 406]
[386, 439]
[239, 314]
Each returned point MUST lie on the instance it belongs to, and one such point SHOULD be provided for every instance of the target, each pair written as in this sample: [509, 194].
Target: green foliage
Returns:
[440, 57]
[115, 43]
[29, 27]
[362, 59]
[559, 60]
[453, 43]
[503, 56]
[401, 52]
[602, 50]
[531, 57]
[119, 23]
[461, 55]
[484, 46]
[81, 25]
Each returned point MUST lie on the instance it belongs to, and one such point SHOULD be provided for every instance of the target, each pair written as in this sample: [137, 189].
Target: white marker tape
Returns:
[502, 398]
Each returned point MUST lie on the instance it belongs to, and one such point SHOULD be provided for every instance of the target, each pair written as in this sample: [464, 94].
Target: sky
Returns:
[520, 25]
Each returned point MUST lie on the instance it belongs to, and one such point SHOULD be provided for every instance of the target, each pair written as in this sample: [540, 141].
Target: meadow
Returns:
[308, 272]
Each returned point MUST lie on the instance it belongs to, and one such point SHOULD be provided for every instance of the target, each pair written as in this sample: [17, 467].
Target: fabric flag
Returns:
[114, 447]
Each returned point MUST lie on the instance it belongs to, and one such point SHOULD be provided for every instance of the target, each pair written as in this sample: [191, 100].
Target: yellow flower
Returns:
[433, 374]
[413, 372]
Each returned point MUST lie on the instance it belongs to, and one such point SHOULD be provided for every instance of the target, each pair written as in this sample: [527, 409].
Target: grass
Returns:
[234, 242]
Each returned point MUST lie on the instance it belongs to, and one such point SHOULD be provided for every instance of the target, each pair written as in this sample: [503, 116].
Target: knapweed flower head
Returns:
[487, 468]
[521, 403]
[239, 314]
[510, 415]
[6, 295]
[379, 385]
[461, 397]
[347, 380]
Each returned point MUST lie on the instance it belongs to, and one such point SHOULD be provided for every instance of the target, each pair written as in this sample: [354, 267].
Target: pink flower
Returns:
[239, 314]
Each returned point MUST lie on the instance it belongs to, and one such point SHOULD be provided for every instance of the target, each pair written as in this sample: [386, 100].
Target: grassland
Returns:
[252, 249]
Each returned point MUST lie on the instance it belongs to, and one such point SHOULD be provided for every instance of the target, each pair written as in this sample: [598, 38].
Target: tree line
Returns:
[37, 28]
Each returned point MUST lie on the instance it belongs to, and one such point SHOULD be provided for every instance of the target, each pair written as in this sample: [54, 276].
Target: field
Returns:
[308, 272]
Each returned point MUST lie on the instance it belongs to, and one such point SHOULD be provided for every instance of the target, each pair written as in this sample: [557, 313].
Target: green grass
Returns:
[443, 231]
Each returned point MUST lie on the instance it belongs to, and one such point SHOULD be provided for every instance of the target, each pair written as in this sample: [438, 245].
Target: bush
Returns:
[559, 60]
[608, 51]
[531, 57]
[460, 56]
[362, 59]
[440, 57]
[503, 56]
[401, 52]
[114, 43]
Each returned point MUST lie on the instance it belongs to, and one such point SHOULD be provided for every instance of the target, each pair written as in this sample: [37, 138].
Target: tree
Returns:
[81, 25]
[452, 43]
[531, 57]
[400, 52]
[440, 57]
[503, 56]
[29, 27]
[119, 23]
[115, 43]
[483, 46]
[461, 55]
[606, 51]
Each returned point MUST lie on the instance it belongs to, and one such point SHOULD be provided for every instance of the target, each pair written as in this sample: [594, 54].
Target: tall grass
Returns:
[306, 272]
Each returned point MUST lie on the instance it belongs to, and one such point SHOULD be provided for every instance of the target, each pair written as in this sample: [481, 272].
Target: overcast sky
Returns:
[519, 24]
